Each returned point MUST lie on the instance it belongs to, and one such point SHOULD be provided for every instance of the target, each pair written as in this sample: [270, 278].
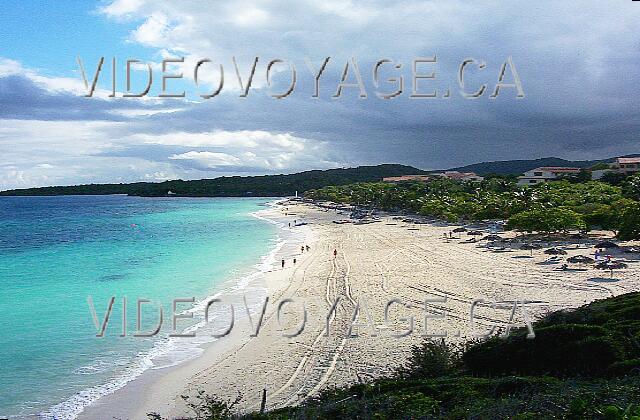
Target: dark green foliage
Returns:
[235, 186]
[632, 187]
[205, 407]
[614, 178]
[599, 339]
[432, 359]
[563, 350]
[583, 176]
[475, 398]
[548, 207]
[547, 220]
[630, 222]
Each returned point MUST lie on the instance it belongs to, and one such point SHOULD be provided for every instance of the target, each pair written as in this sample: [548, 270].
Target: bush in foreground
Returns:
[583, 364]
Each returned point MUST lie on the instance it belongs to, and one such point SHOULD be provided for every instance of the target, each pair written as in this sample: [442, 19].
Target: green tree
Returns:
[632, 187]
[613, 178]
[547, 220]
[630, 223]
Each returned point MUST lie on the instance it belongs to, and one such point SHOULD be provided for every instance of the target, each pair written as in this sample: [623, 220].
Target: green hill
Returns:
[284, 185]
[235, 186]
[517, 167]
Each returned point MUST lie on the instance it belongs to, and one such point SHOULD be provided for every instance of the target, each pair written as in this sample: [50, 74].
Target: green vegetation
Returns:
[547, 220]
[548, 207]
[582, 364]
[235, 186]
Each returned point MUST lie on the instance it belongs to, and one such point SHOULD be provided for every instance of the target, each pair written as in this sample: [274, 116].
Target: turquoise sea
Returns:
[55, 252]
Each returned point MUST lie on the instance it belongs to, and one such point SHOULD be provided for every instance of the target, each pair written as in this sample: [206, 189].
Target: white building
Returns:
[627, 166]
[545, 174]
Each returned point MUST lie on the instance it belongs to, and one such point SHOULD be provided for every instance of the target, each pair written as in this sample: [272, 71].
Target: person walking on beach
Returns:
[308, 247]
[294, 261]
[335, 253]
[283, 263]
[302, 249]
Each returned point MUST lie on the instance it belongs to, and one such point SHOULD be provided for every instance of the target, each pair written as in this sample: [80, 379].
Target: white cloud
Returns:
[209, 159]
[238, 139]
[10, 67]
[246, 150]
[578, 62]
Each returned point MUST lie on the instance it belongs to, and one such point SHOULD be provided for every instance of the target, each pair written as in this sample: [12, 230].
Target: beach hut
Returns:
[530, 247]
[581, 259]
[614, 265]
[606, 244]
[459, 230]
[555, 251]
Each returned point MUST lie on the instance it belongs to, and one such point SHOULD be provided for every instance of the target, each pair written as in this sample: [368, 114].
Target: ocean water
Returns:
[55, 252]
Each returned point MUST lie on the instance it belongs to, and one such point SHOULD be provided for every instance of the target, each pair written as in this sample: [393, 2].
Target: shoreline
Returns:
[144, 368]
[390, 258]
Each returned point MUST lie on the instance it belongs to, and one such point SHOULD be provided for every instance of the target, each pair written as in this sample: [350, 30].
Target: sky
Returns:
[577, 63]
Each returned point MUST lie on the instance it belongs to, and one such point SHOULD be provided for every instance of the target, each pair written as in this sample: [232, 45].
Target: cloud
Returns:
[578, 62]
[210, 160]
[247, 151]
[244, 139]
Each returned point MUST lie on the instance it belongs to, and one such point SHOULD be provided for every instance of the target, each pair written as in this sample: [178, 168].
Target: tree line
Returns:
[569, 204]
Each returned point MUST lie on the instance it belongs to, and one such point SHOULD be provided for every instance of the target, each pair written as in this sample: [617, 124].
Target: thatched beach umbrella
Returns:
[555, 251]
[611, 265]
[580, 259]
[530, 247]
[492, 238]
[606, 244]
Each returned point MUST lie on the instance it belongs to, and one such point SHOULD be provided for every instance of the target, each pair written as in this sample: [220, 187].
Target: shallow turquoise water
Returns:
[57, 251]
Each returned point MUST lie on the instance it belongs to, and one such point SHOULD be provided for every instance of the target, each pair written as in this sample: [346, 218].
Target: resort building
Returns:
[460, 176]
[546, 173]
[627, 166]
[453, 175]
[404, 178]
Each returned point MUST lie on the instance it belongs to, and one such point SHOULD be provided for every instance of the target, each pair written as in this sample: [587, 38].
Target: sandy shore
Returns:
[374, 263]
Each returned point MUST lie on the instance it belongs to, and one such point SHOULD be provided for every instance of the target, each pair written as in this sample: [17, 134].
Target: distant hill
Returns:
[284, 185]
[517, 167]
[236, 186]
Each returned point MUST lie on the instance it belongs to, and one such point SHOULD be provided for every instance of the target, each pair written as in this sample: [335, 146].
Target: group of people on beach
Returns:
[303, 248]
[306, 248]
[599, 253]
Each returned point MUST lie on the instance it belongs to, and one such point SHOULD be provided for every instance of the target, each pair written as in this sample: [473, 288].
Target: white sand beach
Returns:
[374, 263]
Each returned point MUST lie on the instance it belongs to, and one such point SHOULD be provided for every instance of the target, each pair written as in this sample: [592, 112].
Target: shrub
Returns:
[205, 407]
[431, 359]
[562, 350]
